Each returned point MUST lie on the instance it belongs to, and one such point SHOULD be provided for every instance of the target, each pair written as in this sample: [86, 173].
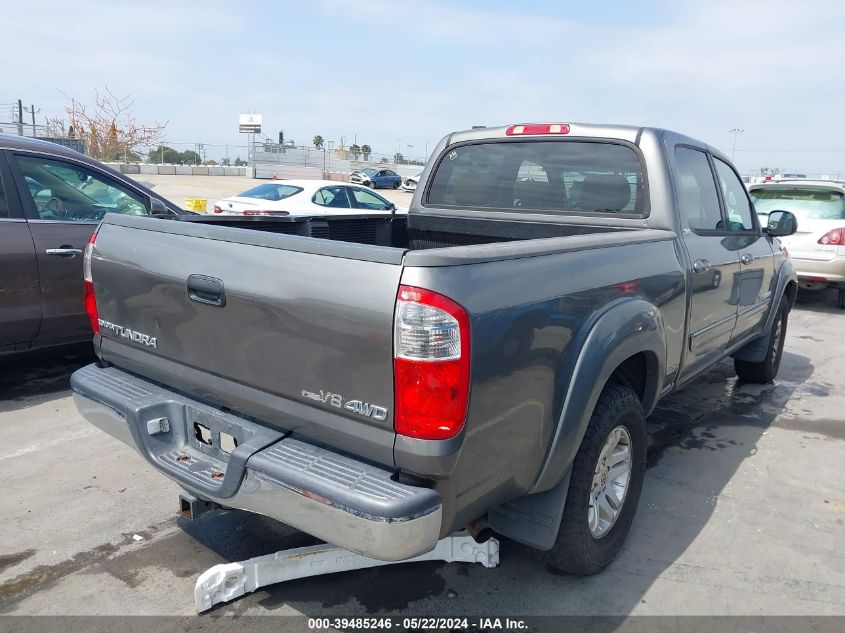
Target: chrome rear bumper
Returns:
[336, 498]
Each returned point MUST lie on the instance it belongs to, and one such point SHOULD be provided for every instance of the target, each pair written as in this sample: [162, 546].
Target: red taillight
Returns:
[90, 299]
[255, 212]
[217, 209]
[431, 365]
[538, 128]
[836, 237]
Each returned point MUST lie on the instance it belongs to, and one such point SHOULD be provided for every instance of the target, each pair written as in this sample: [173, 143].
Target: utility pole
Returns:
[33, 119]
[736, 132]
[20, 118]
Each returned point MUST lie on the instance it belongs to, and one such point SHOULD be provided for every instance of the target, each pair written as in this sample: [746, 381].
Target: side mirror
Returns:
[781, 224]
[157, 208]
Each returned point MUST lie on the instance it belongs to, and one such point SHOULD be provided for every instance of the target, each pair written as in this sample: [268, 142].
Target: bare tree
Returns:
[110, 129]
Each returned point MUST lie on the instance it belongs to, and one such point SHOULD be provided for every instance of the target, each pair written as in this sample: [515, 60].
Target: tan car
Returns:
[818, 247]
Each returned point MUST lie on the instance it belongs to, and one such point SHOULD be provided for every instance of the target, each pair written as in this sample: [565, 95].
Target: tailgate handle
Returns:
[208, 290]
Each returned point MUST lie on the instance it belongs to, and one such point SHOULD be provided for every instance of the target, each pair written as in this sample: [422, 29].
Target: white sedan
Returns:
[410, 184]
[305, 197]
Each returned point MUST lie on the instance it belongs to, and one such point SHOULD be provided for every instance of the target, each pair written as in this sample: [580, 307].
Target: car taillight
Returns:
[538, 128]
[90, 299]
[217, 209]
[430, 364]
[836, 237]
[256, 212]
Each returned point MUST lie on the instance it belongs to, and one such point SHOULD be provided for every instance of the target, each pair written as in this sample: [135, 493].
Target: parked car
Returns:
[410, 184]
[304, 198]
[376, 178]
[456, 372]
[818, 247]
[51, 200]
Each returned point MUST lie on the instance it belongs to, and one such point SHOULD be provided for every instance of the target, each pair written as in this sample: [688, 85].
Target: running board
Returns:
[228, 581]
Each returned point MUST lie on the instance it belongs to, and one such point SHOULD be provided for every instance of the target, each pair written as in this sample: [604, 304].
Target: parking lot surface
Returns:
[742, 513]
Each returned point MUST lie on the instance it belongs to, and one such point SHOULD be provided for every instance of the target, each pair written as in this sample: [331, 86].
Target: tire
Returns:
[766, 370]
[581, 547]
[373, 185]
[840, 301]
[396, 184]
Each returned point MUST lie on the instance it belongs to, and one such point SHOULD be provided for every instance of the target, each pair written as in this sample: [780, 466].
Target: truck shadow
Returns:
[44, 372]
[699, 438]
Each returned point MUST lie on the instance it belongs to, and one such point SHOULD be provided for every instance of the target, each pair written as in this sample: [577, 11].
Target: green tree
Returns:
[318, 142]
[163, 154]
[355, 150]
[190, 157]
[239, 162]
[366, 150]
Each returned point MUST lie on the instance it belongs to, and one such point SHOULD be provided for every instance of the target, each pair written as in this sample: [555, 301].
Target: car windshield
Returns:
[557, 176]
[368, 171]
[271, 192]
[804, 202]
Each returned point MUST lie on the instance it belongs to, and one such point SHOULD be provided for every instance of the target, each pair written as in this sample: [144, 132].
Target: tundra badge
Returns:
[132, 335]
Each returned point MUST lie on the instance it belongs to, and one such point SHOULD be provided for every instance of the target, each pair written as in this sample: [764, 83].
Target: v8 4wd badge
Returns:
[356, 406]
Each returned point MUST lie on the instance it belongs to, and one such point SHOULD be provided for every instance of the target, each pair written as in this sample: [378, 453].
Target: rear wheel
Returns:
[373, 185]
[766, 370]
[604, 489]
[396, 184]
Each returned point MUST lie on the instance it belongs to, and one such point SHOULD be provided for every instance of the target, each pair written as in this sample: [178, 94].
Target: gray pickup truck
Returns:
[486, 362]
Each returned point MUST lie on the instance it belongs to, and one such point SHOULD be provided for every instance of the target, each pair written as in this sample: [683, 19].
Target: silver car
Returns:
[818, 248]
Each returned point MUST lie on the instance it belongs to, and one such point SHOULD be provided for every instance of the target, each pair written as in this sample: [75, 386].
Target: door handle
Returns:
[701, 265]
[746, 258]
[64, 251]
[207, 290]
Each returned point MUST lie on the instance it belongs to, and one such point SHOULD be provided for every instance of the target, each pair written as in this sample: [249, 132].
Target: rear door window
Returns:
[557, 176]
[334, 197]
[66, 192]
[698, 198]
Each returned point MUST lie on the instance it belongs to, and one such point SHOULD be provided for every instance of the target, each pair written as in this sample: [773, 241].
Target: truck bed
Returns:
[418, 233]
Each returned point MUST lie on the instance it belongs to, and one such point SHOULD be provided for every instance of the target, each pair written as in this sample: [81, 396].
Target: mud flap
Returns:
[533, 520]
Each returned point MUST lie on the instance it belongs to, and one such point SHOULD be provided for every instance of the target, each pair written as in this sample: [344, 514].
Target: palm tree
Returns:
[366, 150]
[355, 150]
[318, 142]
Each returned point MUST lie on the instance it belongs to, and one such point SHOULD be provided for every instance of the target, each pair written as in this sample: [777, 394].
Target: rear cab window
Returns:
[811, 203]
[271, 192]
[563, 176]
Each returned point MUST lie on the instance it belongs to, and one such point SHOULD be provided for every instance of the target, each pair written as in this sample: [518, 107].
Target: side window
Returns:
[71, 193]
[697, 195]
[334, 197]
[367, 200]
[736, 201]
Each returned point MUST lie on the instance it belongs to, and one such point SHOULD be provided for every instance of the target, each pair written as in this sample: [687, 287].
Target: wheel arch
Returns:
[625, 345]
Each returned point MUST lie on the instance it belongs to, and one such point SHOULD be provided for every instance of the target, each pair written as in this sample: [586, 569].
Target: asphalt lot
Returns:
[742, 513]
[213, 188]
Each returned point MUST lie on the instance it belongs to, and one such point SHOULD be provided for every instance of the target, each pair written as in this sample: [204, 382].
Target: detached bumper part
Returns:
[352, 504]
[228, 581]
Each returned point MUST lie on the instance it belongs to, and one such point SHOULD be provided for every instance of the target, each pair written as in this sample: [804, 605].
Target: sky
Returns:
[400, 74]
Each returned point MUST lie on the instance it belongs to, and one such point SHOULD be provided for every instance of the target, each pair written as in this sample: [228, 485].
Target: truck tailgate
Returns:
[296, 332]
